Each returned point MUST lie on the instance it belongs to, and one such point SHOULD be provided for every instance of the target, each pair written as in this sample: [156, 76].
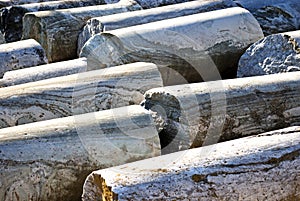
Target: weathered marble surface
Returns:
[121, 20]
[43, 72]
[77, 94]
[58, 31]
[11, 18]
[198, 47]
[276, 53]
[199, 114]
[49, 160]
[21, 54]
[263, 167]
[274, 16]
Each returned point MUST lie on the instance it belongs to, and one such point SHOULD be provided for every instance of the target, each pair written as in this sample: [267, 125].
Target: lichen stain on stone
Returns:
[198, 178]
[277, 107]
[134, 158]
[255, 117]
[292, 197]
[106, 191]
[293, 42]
[3, 123]
[160, 170]
[228, 128]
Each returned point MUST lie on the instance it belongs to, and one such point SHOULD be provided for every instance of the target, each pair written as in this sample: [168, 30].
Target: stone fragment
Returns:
[274, 16]
[278, 53]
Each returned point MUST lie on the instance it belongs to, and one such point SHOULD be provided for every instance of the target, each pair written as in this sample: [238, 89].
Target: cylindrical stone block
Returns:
[198, 47]
[21, 54]
[50, 160]
[121, 20]
[199, 114]
[43, 72]
[77, 94]
[11, 18]
[58, 31]
[263, 167]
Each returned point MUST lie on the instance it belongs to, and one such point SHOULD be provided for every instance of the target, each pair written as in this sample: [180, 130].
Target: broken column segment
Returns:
[11, 18]
[77, 94]
[43, 72]
[274, 16]
[198, 47]
[50, 160]
[251, 168]
[58, 30]
[199, 114]
[121, 20]
[21, 54]
[278, 53]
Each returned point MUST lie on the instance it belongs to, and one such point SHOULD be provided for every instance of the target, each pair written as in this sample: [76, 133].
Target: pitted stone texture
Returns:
[277, 53]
